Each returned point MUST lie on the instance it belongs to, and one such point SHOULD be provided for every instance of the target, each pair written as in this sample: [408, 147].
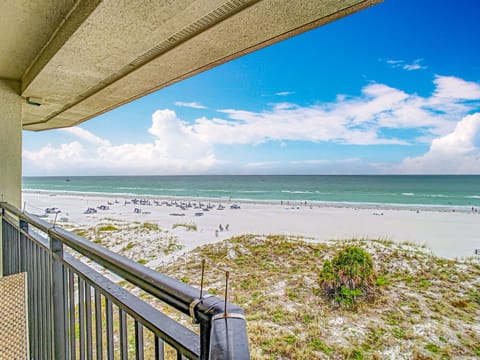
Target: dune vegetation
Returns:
[409, 304]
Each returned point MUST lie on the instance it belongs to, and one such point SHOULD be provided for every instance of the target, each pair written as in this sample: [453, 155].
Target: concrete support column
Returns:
[10, 142]
[10, 147]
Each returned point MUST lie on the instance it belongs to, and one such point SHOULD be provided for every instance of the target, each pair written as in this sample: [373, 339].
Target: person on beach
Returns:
[216, 233]
[220, 227]
[227, 227]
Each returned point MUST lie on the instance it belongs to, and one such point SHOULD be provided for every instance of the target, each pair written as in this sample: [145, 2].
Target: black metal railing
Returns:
[75, 312]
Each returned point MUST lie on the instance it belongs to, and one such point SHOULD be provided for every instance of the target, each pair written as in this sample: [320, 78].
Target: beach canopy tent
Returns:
[63, 62]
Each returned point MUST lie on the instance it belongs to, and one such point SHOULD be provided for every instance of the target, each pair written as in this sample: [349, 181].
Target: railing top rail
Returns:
[171, 291]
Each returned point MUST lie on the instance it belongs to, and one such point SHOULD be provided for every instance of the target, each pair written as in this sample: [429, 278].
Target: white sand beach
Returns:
[446, 233]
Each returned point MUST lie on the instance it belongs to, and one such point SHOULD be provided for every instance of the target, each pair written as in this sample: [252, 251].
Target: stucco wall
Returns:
[10, 142]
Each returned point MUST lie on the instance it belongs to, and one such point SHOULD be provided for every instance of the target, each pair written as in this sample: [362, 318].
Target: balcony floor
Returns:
[13, 315]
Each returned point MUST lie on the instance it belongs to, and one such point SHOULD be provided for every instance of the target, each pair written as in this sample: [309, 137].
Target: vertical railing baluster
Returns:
[10, 252]
[139, 341]
[58, 299]
[159, 348]
[88, 320]
[49, 302]
[41, 302]
[109, 318]
[205, 329]
[14, 250]
[11, 255]
[31, 304]
[17, 250]
[6, 250]
[46, 293]
[34, 295]
[81, 316]
[13, 235]
[123, 334]
[5, 247]
[5, 242]
[71, 296]
[6, 233]
[98, 325]
[67, 317]
[3, 270]
[3, 239]
[67, 313]
[23, 239]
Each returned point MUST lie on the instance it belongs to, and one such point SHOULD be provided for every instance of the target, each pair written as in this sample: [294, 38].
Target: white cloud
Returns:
[394, 63]
[284, 93]
[48, 157]
[192, 104]
[450, 87]
[359, 120]
[324, 161]
[176, 149]
[414, 65]
[86, 135]
[455, 153]
[411, 67]
[262, 164]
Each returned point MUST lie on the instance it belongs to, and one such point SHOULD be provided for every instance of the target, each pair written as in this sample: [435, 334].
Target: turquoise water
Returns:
[463, 191]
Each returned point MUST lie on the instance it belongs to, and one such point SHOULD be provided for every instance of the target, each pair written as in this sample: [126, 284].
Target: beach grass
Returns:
[188, 227]
[150, 226]
[139, 241]
[108, 227]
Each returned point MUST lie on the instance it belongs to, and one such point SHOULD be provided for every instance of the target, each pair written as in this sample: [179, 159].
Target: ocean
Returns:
[461, 191]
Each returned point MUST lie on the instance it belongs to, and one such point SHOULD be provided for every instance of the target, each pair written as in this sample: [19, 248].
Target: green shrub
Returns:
[349, 276]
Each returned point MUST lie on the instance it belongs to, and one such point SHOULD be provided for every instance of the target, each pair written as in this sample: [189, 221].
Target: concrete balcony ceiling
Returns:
[79, 59]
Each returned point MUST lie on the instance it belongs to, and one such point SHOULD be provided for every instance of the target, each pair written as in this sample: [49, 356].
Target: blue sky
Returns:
[394, 89]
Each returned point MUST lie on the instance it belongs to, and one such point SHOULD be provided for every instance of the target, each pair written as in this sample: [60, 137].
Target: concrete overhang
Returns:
[77, 59]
